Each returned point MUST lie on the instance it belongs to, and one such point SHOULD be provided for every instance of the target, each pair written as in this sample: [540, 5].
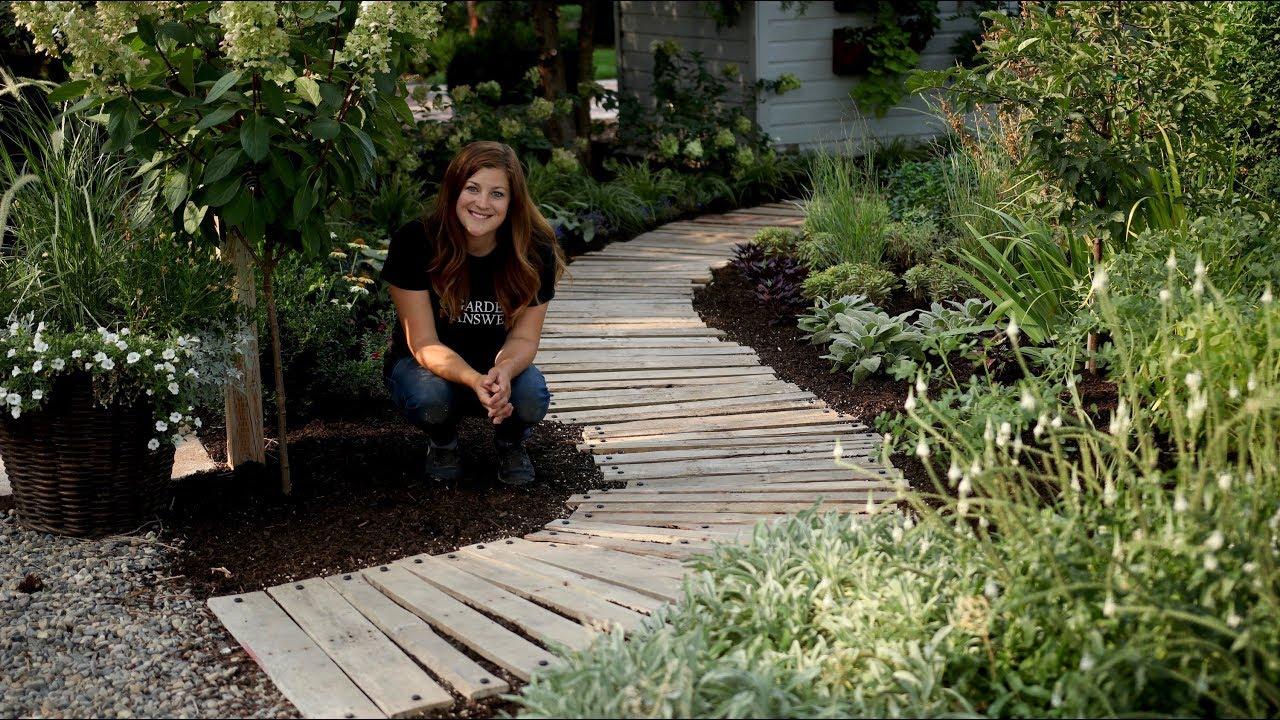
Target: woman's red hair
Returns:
[518, 281]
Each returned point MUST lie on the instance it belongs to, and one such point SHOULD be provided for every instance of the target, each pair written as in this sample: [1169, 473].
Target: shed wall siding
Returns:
[642, 22]
[821, 112]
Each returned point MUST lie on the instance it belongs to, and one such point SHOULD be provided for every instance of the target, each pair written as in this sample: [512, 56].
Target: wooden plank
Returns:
[733, 466]
[561, 386]
[587, 609]
[485, 637]
[716, 438]
[391, 679]
[849, 442]
[676, 341]
[611, 500]
[612, 331]
[736, 506]
[736, 421]
[632, 547]
[742, 449]
[667, 373]
[690, 520]
[699, 485]
[538, 622]
[668, 536]
[613, 593]
[571, 401]
[697, 409]
[781, 478]
[416, 638]
[655, 577]
[302, 672]
[588, 354]
[622, 364]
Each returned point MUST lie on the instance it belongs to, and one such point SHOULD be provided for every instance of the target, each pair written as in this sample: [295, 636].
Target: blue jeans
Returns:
[435, 405]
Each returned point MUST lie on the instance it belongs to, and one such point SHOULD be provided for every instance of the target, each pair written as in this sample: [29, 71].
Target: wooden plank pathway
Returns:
[707, 441]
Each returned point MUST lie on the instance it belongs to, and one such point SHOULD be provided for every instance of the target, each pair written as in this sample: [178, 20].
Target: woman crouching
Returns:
[471, 284]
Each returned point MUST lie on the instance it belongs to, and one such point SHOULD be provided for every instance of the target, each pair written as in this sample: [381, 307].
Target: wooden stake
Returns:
[1091, 350]
[244, 400]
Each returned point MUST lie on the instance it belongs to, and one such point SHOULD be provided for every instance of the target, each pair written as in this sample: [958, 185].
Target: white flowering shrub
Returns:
[1064, 565]
[174, 375]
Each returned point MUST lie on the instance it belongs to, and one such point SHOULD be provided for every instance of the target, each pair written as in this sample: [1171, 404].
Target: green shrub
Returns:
[873, 342]
[871, 281]
[917, 185]
[936, 281]
[912, 240]
[1058, 567]
[846, 212]
[778, 241]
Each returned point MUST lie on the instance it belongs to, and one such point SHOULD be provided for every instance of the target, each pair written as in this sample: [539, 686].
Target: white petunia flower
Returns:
[37, 394]
[173, 388]
[39, 345]
[11, 353]
[168, 354]
[198, 422]
[108, 364]
[153, 444]
[75, 354]
[13, 398]
[37, 366]
[15, 411]
[57, 364]
[132, 358]
[122, 345]
[161, 426]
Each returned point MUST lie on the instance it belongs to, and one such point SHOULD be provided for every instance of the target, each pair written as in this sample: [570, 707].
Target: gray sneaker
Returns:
[514, 466]
[444, 462]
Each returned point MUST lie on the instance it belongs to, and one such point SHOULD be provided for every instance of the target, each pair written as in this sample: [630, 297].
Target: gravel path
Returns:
[98, 628]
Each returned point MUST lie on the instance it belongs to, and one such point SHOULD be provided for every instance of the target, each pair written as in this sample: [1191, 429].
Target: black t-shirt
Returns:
[479, 332]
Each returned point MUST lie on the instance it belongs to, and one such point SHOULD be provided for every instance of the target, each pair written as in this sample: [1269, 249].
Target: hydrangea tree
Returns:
[253, 116]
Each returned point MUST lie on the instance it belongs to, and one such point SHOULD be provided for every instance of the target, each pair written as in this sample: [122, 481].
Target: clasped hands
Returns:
[494, 392]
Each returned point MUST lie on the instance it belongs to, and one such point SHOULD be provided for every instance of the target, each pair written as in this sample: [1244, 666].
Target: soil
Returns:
[728, 303]
[360, 498]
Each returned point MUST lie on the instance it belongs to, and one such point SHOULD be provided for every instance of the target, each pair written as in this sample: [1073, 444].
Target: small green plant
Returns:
[871, 281]
[867, 343]
[936, 281]
[917, 185]
[912, 240]
[846, 211]
[778, 241]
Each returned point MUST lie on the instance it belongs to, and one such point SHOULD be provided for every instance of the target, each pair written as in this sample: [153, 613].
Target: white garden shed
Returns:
[770, 39]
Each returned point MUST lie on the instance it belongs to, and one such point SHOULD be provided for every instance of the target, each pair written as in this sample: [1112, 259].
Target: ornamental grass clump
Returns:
[1066, 562]
[95, 286]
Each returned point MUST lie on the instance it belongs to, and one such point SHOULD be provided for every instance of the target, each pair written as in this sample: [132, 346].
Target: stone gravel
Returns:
[100, 628]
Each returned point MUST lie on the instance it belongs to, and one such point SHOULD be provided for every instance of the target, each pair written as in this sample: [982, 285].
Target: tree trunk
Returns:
[244, 399]
[546, 24]
[282, 428]
[586, 74]
[473, 17]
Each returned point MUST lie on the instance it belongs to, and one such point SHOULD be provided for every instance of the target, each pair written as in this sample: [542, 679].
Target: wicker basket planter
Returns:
[80, 469]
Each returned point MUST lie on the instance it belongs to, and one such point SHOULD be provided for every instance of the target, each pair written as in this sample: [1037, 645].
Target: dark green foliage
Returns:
[866, 279]
[936, 281]
[504, 53]
[776, 280]
[1255, 65]
[898, 31]
[917, 184]
[912, 240]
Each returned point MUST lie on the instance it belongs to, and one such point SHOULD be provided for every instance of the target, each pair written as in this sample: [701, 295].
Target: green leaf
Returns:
[221, 193]
[325, 128]
[186, 70]
[217, 117]
[192, 216]
[308, 89]
[176, 31]
[121, 127]
[1026, 43]
[303, 201]
[68, 90]
[221, 164]
[362, 150]
[175, 189]
[255, 136]
[224, 83]
[273, 99]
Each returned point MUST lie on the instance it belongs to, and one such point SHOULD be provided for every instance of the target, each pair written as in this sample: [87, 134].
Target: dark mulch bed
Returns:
[360, 499]
[728, 303]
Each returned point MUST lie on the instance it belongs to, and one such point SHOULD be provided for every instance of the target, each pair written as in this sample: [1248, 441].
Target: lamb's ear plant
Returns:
[250, 116]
